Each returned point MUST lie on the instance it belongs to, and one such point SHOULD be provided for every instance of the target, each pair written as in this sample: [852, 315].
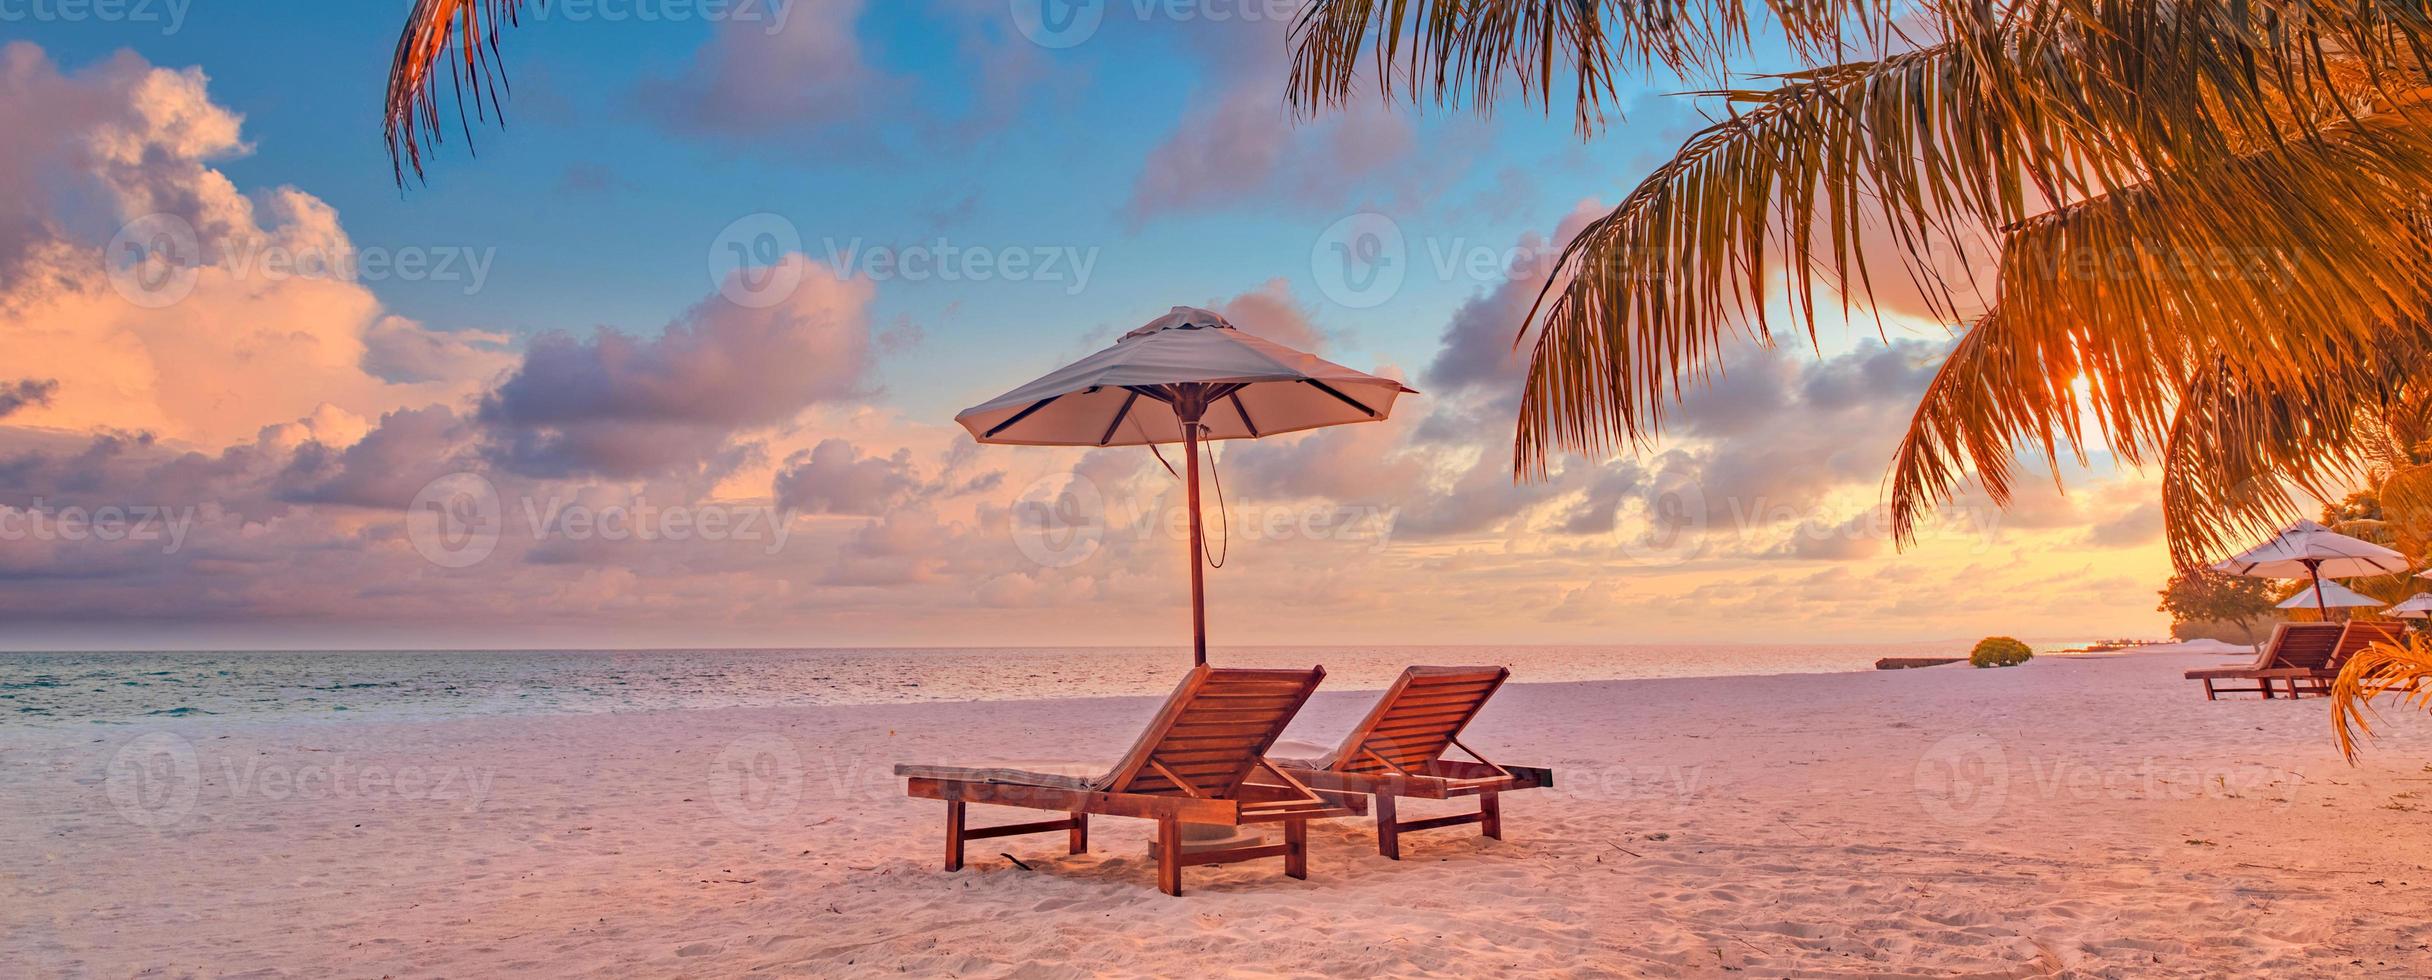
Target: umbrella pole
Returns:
[1191, 410]
[2312, 568]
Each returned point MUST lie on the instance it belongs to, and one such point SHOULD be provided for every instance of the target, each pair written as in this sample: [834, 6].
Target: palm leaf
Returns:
[1996, 390]
[455, 39]
[1455, 51]
[2242, 452]
[2373, 672]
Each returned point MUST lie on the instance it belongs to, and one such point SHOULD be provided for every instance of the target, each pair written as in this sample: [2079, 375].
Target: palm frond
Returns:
[1995, 391]
[2172, 301]
[1454, 51]
[2375, 671]
[455, 39]
[1641, 301]
[2242, 451]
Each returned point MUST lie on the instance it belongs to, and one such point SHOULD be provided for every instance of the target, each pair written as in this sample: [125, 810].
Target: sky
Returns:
[671, 357]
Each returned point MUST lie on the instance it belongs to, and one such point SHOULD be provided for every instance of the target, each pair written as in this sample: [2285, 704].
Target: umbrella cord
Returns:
[1169, 467]
[1223, 513]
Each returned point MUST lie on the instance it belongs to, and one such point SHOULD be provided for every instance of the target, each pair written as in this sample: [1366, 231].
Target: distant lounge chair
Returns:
[1202, 760]
[2295, 652]
[2359, 634]
[1397, 751]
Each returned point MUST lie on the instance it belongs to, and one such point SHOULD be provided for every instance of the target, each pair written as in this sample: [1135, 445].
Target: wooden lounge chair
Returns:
[1202, 760]
[2358, 635]
[1398, 751]
[2295, 650]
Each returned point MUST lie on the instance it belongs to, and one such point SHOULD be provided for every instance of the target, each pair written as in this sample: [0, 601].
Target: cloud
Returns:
[2140, 524]
[401, 351]
[29, 391]
[754, 80]
[1237, 140]
[228, 339]
[834, 478]
[1272, 312]
[611, 404]
[1475, 352]
[387, 466]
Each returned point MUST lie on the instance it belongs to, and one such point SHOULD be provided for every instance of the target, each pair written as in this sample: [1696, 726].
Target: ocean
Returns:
[74, 689]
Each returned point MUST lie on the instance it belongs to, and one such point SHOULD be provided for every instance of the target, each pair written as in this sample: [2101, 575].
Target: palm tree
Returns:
[2178, 191]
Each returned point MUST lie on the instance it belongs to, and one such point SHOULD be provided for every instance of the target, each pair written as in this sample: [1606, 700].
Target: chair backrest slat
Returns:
[2361, 633]
[2307, 645]
[1212, 732]
[1418, 718]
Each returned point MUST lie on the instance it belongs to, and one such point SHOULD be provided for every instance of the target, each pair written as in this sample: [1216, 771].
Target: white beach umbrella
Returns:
[2416, 606]
[1188, 376]
[2328, 594]
[2310, 551]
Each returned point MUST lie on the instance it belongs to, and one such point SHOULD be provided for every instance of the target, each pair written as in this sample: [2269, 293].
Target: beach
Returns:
[2086, 816]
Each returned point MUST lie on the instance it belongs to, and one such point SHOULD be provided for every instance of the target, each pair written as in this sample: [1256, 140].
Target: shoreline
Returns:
[1833, 822]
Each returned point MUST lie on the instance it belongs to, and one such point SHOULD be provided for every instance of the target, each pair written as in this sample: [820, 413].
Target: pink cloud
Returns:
[756, 79]
[1238, 140]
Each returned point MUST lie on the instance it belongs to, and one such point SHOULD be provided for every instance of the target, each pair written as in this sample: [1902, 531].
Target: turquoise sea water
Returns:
[62, 689]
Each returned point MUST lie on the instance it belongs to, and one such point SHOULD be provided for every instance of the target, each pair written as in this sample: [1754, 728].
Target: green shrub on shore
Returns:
[1999, 651]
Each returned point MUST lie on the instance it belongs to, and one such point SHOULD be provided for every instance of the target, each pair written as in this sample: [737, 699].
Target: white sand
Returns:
[2092, 816]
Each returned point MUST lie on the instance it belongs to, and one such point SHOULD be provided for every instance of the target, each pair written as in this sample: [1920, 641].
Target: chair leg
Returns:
[2209, 694]
[1388, 828]
[1080, 833]
[1490, 814]
[954, 835]
[1169, 856]
[1296, 849]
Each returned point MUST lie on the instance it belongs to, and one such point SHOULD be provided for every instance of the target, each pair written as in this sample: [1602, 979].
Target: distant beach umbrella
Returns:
[2308, 550]
[2417, 606]
[1188, 376]
[2326, 595]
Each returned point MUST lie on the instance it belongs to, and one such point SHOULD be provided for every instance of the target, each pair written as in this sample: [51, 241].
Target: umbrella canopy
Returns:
[2328, 594]
[2417, 606]
[1188, 376]
[1133, 393]
[2310, 551]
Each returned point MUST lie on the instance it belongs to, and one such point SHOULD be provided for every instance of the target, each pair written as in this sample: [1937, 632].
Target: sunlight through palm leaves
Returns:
[2178, 189]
